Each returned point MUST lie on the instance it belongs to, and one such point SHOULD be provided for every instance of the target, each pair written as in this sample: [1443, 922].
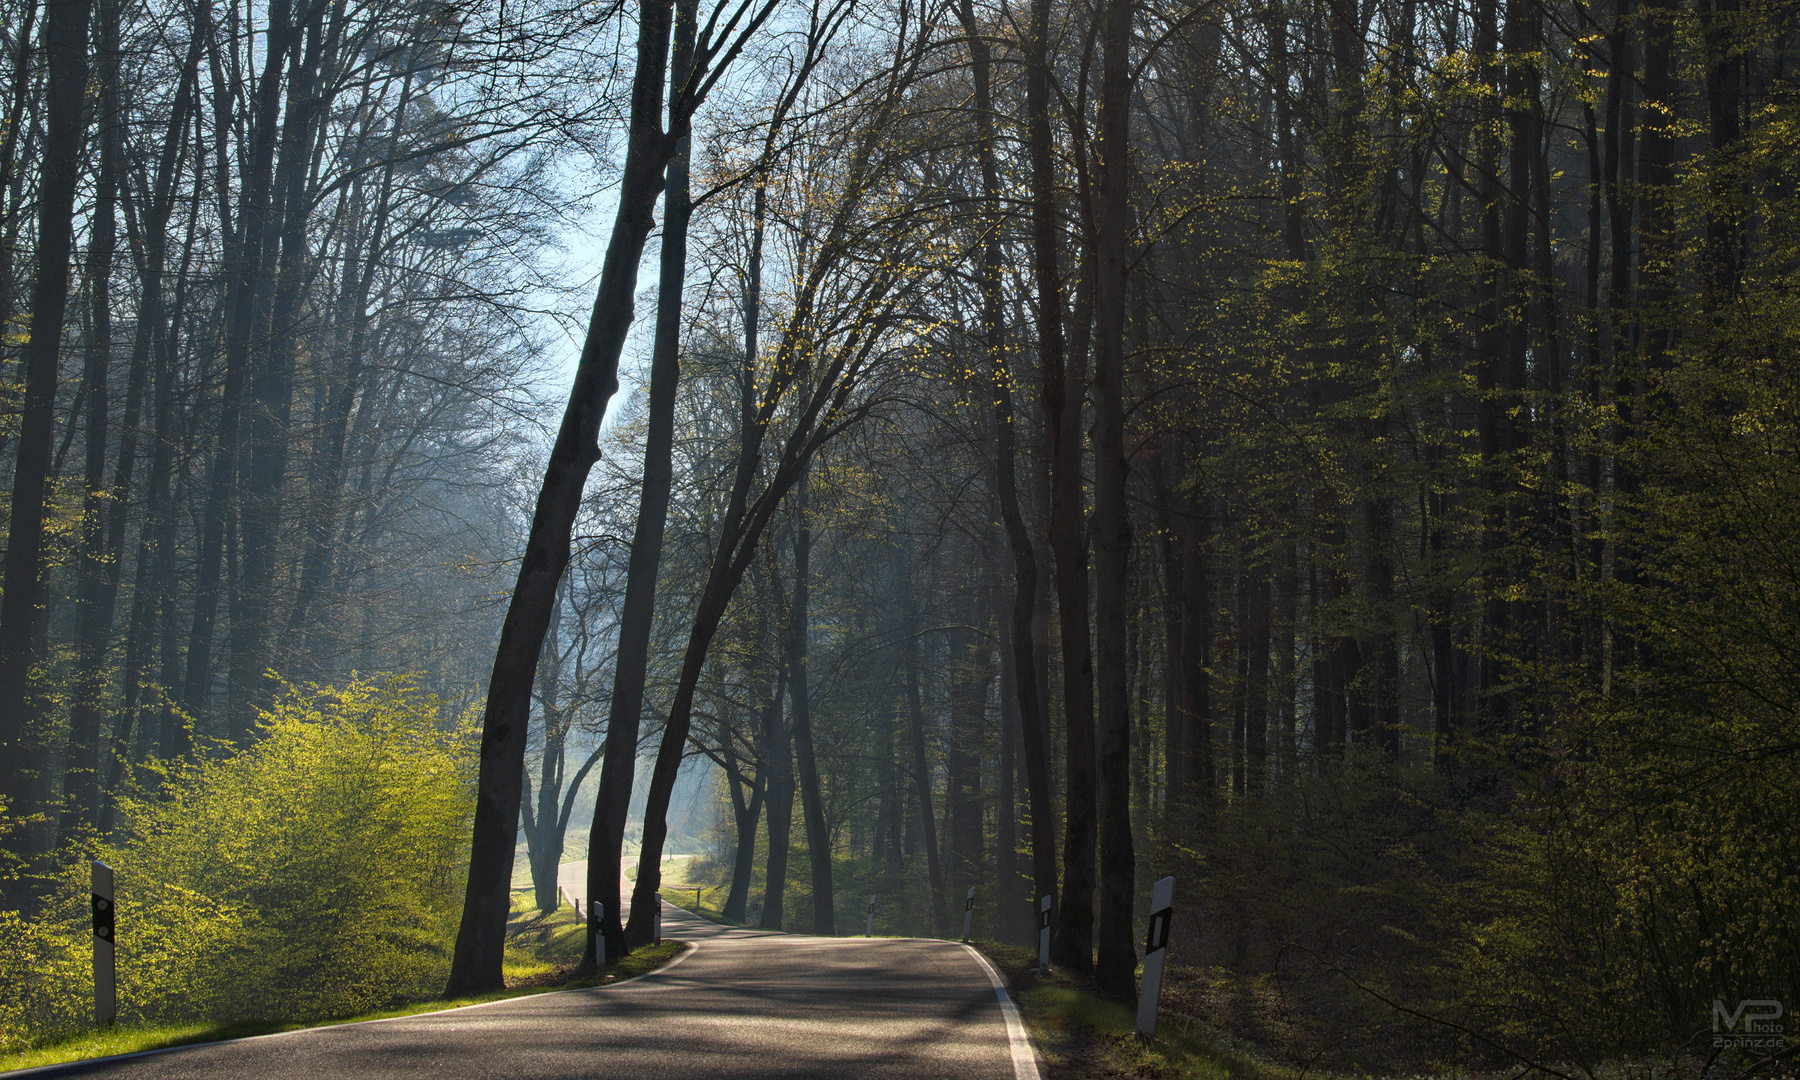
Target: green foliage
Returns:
[315, 873]
[1652, 865]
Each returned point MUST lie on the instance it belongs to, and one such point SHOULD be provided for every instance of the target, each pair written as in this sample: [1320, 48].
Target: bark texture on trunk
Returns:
[1064, 379]
[1022, 659]
[22, 608]
[781, 812]
[921, 767]
[481, 937]
[97, 593]
[1117, 959]
[606, 838]
[812, 801]
[251, 240]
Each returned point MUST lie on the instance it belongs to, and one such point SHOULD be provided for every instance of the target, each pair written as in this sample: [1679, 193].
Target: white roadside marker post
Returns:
[1044, 934]
[1156, 947]
[594, 931]
[968, 912]
[106, 986]
[659, 920]
[869, 927]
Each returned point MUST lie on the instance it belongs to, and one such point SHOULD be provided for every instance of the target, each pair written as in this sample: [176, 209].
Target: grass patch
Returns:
[541, 954]
[1081, 1035]
[711, 905]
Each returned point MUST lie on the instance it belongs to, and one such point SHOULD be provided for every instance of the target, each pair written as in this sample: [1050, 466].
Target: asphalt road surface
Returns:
[740, 1004]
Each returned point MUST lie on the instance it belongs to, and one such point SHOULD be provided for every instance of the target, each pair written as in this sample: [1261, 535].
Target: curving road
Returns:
[739, 1004]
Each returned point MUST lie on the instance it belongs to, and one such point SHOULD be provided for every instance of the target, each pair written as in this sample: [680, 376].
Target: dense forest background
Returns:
[1344, 454]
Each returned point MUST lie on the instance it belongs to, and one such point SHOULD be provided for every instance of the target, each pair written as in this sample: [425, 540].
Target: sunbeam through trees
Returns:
[1343, 454]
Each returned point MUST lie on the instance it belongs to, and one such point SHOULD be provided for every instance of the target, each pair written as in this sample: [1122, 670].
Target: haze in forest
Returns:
[460, 459]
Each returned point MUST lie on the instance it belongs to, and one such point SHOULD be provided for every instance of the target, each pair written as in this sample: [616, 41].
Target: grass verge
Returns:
[711, 905]
[1082, 1036]
[541, 955]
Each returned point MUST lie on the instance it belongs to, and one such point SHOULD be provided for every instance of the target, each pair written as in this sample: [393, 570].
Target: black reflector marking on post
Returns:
[103, 917]
[1158, 937]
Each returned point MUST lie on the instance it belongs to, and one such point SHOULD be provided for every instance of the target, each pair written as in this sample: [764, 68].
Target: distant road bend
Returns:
[742, 1004]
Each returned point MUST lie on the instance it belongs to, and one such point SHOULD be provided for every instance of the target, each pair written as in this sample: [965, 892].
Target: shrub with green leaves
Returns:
[314, 873]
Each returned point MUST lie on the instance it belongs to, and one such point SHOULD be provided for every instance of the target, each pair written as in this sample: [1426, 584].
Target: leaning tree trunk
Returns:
[606, 839]
[481, 938]
[739, 534]
[819, 413]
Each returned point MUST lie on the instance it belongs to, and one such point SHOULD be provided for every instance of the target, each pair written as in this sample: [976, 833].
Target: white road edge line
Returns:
[692, 948]
[1024, 1052]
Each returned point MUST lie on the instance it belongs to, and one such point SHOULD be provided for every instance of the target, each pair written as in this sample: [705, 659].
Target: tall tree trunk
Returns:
[23, 606]
[1619, 165]
[1256, 683]
[746, 813]
[481, 937]
[1195, 712]
[98, 589]
[780, 768]
[156, 543]
[1385, 648]
[1493, 356]
[1176, 774]
[151, 357]
[970, 674]
[1117, 959]
[921, 767]
[812, 800]
[1724, 83]
[822, 409]
[1065, 377]
[1006, 795]
[890, 852]
[12, 144]
[1283, 619]
[266, 437]
[606, 837]
[254, 236]
[1657, 136]
[1022, 661]
[543, 841]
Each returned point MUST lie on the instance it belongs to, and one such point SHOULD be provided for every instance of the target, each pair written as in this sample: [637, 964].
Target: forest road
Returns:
[742, 1004]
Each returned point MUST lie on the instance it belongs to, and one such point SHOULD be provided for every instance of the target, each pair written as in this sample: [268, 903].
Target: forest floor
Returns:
[541, 954]
[1084, 1037]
